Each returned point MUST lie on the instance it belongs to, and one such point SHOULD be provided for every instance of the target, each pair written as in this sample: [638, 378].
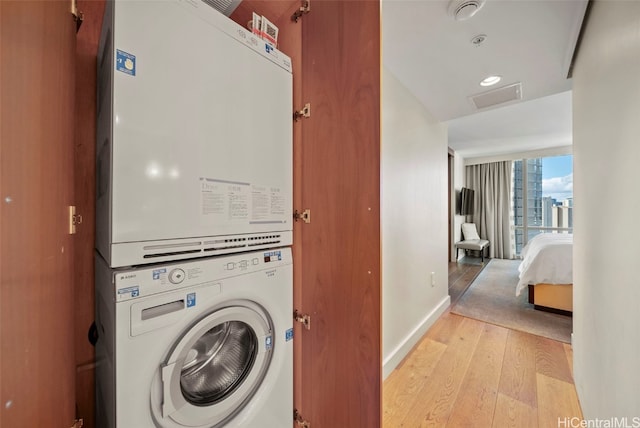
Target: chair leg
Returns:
[482, 255]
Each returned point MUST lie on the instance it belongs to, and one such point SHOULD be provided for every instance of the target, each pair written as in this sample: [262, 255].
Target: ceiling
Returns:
[527, 41]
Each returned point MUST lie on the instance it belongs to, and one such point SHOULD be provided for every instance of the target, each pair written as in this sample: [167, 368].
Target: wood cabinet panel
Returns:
[340, 183]
[84, 168]
[37, 359]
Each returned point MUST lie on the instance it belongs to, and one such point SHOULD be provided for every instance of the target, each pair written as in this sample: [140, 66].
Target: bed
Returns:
[546, 271]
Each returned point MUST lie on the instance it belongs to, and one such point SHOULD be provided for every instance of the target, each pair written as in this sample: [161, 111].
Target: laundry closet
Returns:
[335, 53]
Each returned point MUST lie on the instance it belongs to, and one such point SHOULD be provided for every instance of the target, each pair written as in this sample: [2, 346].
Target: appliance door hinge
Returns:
[78, 16]
[304, 9]
[299, 420]
[304, 215]
[302, 318]
[74, 220]
[305, 112]
[79, 423]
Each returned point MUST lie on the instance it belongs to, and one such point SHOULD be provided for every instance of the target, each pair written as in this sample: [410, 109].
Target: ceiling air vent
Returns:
[497, 96]
[462, 10]
[226, 7]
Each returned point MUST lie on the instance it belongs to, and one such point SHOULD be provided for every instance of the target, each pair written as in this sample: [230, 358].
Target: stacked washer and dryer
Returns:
[194, 221]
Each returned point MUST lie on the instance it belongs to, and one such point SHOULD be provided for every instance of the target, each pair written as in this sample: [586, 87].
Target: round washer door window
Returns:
[218, 362]
[217, 366]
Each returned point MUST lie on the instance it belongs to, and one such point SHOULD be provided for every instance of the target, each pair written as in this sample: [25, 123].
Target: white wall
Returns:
[555, 151]
[458, 184]
[414, 220]
[606, 147]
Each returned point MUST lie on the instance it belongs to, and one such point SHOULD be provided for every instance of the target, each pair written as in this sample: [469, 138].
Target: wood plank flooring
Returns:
[468, 373]
[461, 275]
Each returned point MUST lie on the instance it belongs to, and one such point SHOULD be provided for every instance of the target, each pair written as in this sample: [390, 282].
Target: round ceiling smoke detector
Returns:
[479, 39]
[462, 10]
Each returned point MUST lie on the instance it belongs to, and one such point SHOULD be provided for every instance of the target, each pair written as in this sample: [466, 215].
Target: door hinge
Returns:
[305, 112]
[299, 420]
[304, 215]
[78, 16]
[74, 220]
[304, 9]
[79, 423]
[302, 318]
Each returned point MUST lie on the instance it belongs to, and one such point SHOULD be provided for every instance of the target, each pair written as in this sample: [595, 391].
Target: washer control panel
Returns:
[134, 283]
[176, 276]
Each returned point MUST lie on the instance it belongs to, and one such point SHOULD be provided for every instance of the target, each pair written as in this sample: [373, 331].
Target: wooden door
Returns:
[340, 379]
[36, 186]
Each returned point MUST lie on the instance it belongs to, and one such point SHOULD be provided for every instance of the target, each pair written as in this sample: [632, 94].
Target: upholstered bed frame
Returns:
[556, 298]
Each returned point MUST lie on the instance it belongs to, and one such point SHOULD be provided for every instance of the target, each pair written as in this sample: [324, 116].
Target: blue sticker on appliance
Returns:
[125, 62]
[288, 335]
[272, 256]
[268, 343]
[132, 291]
[191, 300]
[157, 272]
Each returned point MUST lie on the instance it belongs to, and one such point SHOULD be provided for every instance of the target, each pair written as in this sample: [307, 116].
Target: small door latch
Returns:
[78, 16]
[305, 112]
[299, 420]
[304, 215]
[305, 8]
[302, 318]
[74, 220]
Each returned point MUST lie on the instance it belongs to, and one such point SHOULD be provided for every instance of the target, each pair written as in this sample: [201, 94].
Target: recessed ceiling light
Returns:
[491, 80]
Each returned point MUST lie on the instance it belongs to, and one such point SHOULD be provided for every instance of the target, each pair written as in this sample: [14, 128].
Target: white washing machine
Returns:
[204, 343]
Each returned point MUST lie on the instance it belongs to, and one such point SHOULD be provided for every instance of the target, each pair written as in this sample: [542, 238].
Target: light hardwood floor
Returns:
[468, 373]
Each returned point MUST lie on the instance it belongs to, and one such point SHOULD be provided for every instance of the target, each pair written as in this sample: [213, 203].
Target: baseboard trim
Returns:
[402, 350]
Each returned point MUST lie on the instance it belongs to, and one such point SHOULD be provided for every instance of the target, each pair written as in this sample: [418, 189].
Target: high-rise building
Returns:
[562, 216]
[533, 186]
[547, 210]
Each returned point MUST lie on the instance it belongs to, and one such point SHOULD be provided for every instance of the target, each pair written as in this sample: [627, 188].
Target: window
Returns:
[548, 205]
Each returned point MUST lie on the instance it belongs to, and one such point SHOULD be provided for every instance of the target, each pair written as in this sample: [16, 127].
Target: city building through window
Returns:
[542, 197]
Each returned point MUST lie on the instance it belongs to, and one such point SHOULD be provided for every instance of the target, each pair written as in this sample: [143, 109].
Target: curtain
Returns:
[492, 205]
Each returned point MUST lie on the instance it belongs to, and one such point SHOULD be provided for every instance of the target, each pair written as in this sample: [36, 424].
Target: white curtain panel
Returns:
[492, 205]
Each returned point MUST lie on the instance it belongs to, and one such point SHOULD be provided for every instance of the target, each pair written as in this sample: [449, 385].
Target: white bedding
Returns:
[547, 258]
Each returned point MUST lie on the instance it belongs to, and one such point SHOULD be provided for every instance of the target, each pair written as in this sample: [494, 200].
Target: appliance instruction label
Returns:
[224, 201]
[267, 203]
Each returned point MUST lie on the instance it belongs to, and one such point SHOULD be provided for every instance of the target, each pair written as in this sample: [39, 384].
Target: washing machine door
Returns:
[217, 366]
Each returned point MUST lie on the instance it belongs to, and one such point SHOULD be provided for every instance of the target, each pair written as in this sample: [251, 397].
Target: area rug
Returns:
[492, 298]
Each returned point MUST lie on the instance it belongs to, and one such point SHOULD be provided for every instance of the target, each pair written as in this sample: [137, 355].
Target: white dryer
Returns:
[194, 154]
[205, 343]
